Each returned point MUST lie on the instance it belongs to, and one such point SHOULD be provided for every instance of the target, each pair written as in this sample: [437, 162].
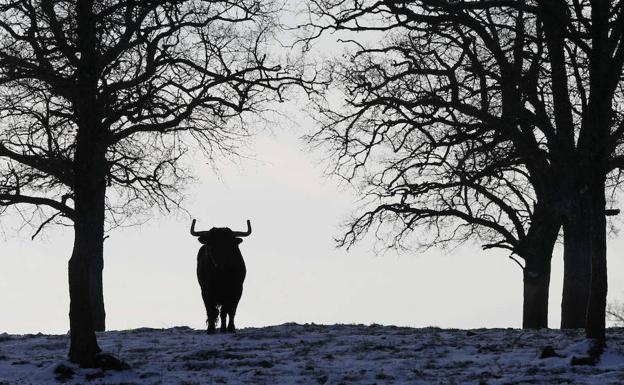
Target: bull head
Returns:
[204, 236]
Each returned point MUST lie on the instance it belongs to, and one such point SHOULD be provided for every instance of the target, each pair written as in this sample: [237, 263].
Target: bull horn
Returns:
[196, 233]
[243, 233]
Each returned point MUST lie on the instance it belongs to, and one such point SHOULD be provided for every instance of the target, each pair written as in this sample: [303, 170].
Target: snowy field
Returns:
[315, 354]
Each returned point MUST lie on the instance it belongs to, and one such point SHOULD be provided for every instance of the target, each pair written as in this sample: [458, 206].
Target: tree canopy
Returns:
[528, 91]
[100, 101]
[165, 75]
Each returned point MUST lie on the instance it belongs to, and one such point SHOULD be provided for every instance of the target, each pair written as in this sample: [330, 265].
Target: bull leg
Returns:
[231, 312]
[238, 293]
[231, 328]
[223, 319]
[211, 312]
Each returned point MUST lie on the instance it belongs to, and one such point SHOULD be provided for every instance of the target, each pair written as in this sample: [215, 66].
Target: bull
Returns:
[221, 272]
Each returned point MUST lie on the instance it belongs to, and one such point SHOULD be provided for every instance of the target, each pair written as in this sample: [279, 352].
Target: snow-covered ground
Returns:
[318, 354]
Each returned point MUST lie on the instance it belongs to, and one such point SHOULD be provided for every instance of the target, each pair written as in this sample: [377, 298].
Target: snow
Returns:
[320, 354]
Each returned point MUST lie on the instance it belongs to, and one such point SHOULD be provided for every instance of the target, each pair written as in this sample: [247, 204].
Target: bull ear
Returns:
[204, 239]
[238, 241]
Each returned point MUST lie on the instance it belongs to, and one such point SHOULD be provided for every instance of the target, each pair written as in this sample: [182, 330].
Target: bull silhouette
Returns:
[221, 272]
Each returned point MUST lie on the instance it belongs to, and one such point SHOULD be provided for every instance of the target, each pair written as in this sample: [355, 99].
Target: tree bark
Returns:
[596, 143]
[596, 308]
[97, 293]
[536, 286]
[536, 249]
[576, 269]
[90, 148]
[88, 230]
[90, 192]
[89, 197]
[83, 344]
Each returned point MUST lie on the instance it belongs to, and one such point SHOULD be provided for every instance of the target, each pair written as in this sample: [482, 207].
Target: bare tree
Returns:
[544, 78]
[102, 99]
[431, 167]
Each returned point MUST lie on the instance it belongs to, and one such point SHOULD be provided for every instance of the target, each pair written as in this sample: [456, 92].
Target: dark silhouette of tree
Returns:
[100, 102]
[452, 177]
[542, 79]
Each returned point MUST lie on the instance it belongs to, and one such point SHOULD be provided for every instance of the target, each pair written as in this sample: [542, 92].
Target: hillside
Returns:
[315, 354]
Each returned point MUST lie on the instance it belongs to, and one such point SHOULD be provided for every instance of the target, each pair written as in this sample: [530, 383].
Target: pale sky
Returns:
[294, 271]
[295, 274]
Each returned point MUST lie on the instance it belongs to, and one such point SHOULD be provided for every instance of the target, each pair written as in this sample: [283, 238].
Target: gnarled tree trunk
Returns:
[536, 285]
[83, 345]
[89, 196]
[596, 308]
[537, 250]
[88, 243]
[577, 267]
[597, 146]
[97, 293]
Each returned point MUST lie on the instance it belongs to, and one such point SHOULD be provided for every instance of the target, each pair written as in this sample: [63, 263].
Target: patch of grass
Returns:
[148, 375]
[140, 350]
[266, 364]
[383, 376]
[51, 346]
[322, 379]
[5, 337]
[200, 365]
[95, 375]
[204, 355]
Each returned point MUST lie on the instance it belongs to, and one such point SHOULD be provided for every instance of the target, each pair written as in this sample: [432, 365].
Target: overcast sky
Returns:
[295, 274]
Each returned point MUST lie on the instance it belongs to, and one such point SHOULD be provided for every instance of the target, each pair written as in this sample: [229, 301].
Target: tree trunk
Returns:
[596, 308]
[576, 268]
[89, 197]
[83, 345]
[536, 249]
[88, 242]
[97, 293]
[535, 305]
[596, 149]
[90, 162]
